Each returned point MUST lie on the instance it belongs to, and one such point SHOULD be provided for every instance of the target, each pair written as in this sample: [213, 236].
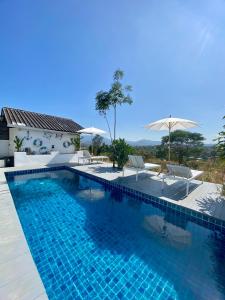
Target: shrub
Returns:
[221, 143]
[75, 141]
[96, 146]
[119, 152]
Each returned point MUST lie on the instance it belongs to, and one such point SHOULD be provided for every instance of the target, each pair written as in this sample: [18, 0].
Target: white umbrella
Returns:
[92, 131]
[171, 124]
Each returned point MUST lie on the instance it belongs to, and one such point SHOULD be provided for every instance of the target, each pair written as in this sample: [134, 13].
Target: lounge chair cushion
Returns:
[133, 161]
[196, 173]
[140, 162]
[137, 162]
[86, 154]
[151, 166]
[183, 172]
[179, 171]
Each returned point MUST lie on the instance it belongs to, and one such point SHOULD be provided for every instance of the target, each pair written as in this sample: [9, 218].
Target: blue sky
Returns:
[55, 56]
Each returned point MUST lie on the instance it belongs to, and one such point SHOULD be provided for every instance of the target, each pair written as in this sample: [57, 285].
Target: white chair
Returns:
[181, 173]
[136, 163]
[89, 158]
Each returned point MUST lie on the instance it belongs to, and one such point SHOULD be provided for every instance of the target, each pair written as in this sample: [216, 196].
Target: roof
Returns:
[21, 118]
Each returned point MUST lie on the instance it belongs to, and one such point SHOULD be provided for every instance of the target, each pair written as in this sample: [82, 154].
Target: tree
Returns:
[96, 144]
[117, 95]
[75, 141]
[221, 143]
[161, 151]
[220, 148]
[184, 144]
[102, 105]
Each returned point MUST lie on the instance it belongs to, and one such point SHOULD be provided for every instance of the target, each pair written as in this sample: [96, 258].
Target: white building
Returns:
[42, 135]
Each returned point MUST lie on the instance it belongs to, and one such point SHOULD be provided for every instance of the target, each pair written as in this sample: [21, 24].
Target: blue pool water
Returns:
[90, 242]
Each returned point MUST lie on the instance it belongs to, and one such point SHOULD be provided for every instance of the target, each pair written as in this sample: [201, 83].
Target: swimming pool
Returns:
[90, 241]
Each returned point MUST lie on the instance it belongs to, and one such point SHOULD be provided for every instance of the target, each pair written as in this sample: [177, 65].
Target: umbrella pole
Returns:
[169, 141]
[92, 145]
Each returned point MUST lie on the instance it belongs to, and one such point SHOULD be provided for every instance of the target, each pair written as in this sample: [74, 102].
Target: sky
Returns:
[55, 55]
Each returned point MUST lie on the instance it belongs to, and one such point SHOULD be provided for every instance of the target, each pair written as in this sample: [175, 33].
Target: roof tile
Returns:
[36, 120]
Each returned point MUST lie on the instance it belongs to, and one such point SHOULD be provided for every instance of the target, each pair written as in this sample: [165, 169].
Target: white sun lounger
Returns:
[181, 173]
[89, 158]
[137, 164]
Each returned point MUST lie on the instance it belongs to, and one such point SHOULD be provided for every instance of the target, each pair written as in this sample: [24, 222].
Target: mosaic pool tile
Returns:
[90, 241]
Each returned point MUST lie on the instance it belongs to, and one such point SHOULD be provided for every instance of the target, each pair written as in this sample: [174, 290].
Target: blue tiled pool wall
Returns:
[192, 215]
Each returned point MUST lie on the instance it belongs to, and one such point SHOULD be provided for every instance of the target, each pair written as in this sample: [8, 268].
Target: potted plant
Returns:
[18, 143]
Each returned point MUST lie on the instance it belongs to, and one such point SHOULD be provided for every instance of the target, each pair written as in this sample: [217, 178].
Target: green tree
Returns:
[75, 141]
[105, 149]
[96, 144]
[102, 105]
[115, 96]
[221, 143]
[161, 152]
[184, 144]
[220, 148]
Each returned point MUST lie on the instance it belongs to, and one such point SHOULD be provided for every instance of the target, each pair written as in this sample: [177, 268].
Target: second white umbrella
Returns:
[171, 124]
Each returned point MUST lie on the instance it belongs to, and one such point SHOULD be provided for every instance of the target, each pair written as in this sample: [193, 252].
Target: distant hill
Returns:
[87, 139]
[143, 142]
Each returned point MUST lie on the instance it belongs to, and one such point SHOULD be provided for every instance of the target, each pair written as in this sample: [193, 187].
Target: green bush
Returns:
[120, 151]
[221, 143]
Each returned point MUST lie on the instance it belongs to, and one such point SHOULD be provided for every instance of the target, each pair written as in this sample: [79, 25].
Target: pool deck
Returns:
[203, 197]
[19, 278]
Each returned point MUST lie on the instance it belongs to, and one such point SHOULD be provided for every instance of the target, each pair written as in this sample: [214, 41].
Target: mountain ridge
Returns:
[142, 142]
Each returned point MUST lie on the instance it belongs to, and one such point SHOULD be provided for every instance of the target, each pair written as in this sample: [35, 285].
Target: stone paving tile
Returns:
[25, 287]
[19, 278]
[41, 297]
[16, 268]
[11, 248]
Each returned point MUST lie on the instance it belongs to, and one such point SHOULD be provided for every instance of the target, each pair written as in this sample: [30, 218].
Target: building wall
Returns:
[42, 138]
[22, 159]
[4, 138]
[4, 130]
[4, 148]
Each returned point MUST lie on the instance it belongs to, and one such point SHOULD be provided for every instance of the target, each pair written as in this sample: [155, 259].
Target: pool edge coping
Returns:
[19, 276]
